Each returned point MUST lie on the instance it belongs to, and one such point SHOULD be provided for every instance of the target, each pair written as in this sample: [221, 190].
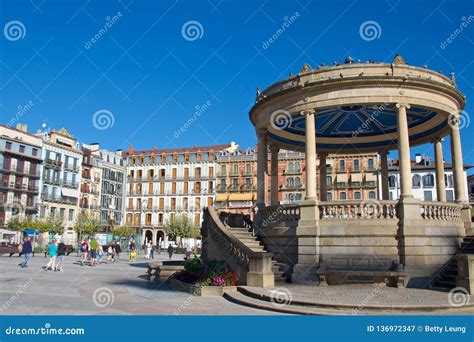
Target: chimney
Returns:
[418, 158]
[22, 127]
[130, 149]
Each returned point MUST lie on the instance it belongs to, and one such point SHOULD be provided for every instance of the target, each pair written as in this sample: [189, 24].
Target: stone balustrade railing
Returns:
[287, 213]
[440, 211]
[255, 265]
[348, 210]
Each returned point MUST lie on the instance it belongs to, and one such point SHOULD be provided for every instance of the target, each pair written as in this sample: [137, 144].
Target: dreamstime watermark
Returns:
[287, 22]
[465, 21]
[103, 119]
[14, 30]
[458, 297]
[103, 296]
[14, 206]
[275, 214]
[371, 118]
[281, 119]
[19, 291]
[370, 297]
[370, 30]
[46, 330]
[192, 30]
[199, 110]
[109, 22]
[21, 110]
[459, 121]
[281, 296]
[188, 301]
[370, 208]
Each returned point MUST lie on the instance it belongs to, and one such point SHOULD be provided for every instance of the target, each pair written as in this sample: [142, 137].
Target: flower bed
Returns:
[205, 279]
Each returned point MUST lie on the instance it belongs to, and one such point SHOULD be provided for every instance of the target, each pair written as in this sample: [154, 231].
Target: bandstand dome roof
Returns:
[355, 106]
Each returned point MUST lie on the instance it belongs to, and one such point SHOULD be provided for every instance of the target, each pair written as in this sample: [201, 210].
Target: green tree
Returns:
[181, 227]
[86, 224]
[123, 231]
[53, 224]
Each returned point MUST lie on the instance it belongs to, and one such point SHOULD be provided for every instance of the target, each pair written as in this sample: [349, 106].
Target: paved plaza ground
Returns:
[121, 289]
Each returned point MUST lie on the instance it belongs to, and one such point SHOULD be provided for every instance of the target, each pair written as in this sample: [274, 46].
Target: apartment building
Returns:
[20, 169]
[91, 181]
[61, 178]
[423, 171]
[162, 184]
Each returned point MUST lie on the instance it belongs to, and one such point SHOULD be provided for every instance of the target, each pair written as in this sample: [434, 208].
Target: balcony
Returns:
[72, 168]
[249, 187]
[293, 172]
[355, 185]
[70, 184]
[53, 162]
[293, 187]
[59, 199]
[51, 181]
[341, 185]
[233, 188]
[20, 172]
[19, 187]
[369, 184]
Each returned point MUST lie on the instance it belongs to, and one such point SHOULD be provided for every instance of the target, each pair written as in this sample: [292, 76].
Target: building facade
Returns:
[91, 181]
[423, 179]
[61, 179]
[20, 170]
[112, 189]
[162, 184]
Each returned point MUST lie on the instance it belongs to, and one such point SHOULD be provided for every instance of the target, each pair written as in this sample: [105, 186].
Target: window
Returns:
[297, 182]
[449, 196]
[235, 183]
[356, 164]
[8, 145]
[34, 152]
[223, 185]
[236, 169]
[371, 164]
[329, 196]
[22, 148]
[416, 181]
[357, 195]
[62, 212]
[428, 180]
[328, 180]
[247, 183]
[297, 166]
[248, 169]
[223, 169]
[71, 214]
[342, 196]
[392, 181]
[448, 181]
[372, 194]
[428, 195]
[290, 182]
[342, 165]
[290, 166]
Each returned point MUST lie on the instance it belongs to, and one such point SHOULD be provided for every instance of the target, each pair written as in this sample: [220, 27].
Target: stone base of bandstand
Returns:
[307, 233]
[425, 246]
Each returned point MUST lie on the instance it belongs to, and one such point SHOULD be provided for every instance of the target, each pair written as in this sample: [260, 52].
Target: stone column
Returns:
[274, 175]
[404, 151]
[440, 184]
[384, 178]
[310, 155]
[308, 230]
[261, 166]
[456, 156]
[323, 185]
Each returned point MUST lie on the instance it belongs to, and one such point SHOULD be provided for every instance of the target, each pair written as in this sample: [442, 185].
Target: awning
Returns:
[356, 177]
[343, 177]
[221, 197]
[240, 197]
[370, 177]
[70, 192]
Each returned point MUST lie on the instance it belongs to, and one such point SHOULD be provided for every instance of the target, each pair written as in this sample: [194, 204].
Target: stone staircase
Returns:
[244, 234]
[446, 278]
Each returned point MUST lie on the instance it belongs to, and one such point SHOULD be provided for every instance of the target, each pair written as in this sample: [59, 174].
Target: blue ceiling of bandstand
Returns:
[367, 120]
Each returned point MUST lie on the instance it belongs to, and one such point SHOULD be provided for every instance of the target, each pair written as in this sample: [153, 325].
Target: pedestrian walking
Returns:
[100, 254]
[149, 247]
[26, 250]
[61, 252]
[52, 252]
[94, 246]
[84, 251]
[170, 250]
[133, 250]
[110, 253]
[117, 251]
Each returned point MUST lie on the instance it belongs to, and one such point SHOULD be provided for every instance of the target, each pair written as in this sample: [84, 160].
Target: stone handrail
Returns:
[347, 210]
[257, 265]
[440, 211]
[280, 213]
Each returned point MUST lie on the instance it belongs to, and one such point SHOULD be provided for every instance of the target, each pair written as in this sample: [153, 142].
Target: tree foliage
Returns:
[86, 224]
[50, 225]
[182, 227]
[123, 231]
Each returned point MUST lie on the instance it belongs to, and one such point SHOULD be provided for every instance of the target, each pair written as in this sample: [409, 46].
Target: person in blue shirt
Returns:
[53, 253]
[26, 251]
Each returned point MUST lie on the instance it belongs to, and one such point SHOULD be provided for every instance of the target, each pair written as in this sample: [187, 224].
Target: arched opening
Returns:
[148, 236]
[160, 237]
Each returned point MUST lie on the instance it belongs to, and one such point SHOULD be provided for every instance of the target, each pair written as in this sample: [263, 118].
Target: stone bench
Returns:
[392, 278]
[162, 270]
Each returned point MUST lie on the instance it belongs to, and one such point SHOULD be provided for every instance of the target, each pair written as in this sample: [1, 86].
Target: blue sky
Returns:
[144, 73]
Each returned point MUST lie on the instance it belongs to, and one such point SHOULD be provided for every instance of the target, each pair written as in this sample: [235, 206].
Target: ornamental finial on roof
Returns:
[398, 59]
[306, 67]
